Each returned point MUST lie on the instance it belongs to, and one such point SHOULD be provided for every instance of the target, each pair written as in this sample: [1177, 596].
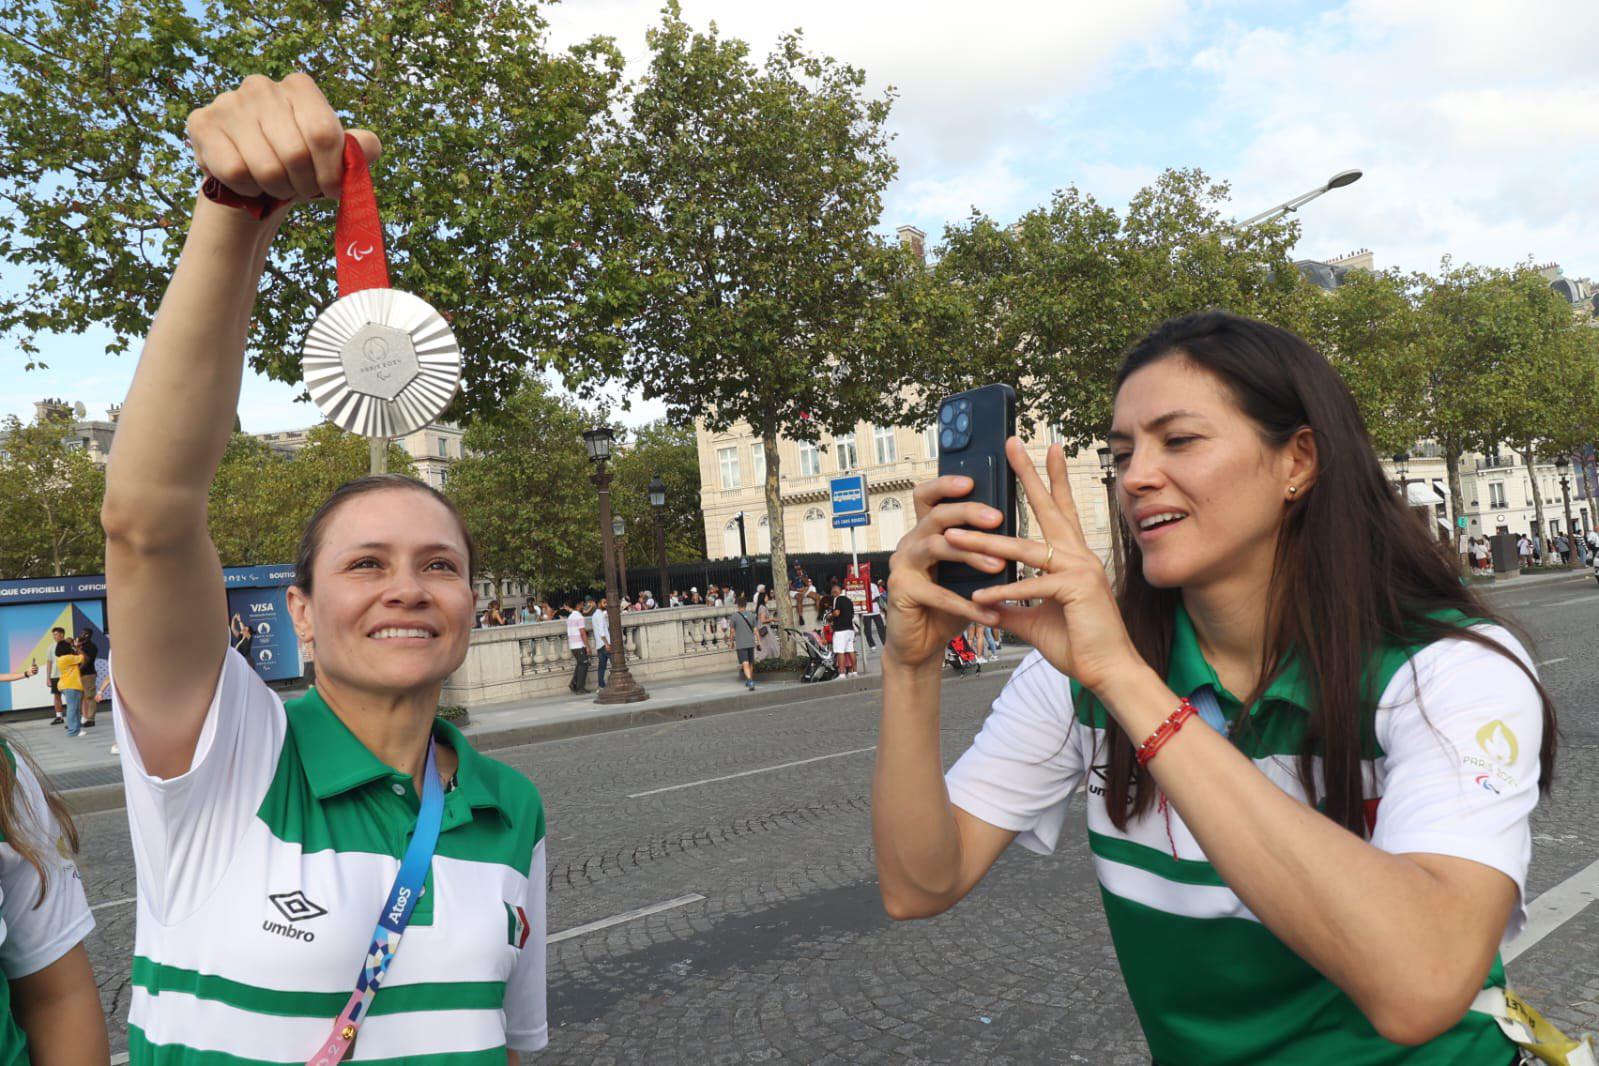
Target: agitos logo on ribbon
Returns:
[379, 362]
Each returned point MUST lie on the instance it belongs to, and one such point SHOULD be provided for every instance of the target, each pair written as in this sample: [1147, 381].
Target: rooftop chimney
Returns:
[914, 239]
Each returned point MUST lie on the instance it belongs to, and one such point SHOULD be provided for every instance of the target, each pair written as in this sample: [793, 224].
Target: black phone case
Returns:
[978, 452]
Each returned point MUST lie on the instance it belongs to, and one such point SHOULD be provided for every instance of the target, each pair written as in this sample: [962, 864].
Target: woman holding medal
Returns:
[270, 840]
[1307, 780]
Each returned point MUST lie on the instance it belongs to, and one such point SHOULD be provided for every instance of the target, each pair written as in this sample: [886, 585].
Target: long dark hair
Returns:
[1355, 568]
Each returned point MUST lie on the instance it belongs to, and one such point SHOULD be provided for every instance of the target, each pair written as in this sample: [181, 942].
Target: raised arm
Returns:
[165, 596]
[930, 853]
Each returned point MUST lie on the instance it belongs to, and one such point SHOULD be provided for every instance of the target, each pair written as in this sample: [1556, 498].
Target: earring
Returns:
[1292, 489]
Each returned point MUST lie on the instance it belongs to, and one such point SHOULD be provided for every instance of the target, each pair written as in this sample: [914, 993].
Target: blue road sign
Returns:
[848, 494]
[845, 521]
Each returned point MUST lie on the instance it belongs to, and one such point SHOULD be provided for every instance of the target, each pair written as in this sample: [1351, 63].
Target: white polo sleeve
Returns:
[1460, 770]
[184, 829]
[526, 1021]
[36, 936]
[1027, 760]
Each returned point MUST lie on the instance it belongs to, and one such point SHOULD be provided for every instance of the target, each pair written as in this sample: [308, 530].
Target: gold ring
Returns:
[1049, 557]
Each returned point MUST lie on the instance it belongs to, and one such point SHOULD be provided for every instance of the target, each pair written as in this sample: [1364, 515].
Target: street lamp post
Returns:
[620, 686]
[1402, 468]
[1107, 465]
[1573, 558]
[743, 557]
[658, 505]
[619, 534]
[1337, 181]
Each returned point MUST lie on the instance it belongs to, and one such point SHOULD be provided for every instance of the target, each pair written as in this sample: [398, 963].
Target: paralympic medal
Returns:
[378, 362]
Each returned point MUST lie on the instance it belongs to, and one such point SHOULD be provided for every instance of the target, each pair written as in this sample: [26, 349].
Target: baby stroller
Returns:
[959, 654]
[819, 665]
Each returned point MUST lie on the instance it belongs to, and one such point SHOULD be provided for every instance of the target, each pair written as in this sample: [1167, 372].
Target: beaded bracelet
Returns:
[1167, 729]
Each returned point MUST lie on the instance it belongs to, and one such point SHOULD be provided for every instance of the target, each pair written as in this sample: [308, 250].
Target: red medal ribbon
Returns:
[358, 233]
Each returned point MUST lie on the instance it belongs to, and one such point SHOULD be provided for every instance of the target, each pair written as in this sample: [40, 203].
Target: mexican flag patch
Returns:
[517, 927]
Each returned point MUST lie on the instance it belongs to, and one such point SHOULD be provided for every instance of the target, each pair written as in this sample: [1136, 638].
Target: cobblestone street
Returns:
[747, 836]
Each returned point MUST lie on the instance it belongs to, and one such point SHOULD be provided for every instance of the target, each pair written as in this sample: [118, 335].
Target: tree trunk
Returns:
[1537, 497]
[1457, 501]
[774, 519]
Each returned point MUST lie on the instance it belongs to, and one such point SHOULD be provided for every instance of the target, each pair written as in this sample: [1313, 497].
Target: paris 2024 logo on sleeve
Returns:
[1500, 750]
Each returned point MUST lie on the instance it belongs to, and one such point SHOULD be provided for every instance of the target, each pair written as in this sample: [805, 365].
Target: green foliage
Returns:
[760, 283]
[667, 449]
[525, 492]
[487, 183]
[1050, 303]
[50, 509]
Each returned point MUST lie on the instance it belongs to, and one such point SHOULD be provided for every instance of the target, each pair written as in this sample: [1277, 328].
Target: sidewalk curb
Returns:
[95, 798]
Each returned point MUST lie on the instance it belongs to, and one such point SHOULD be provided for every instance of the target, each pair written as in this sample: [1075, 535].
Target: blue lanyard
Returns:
[392, 921]
[1204, 701]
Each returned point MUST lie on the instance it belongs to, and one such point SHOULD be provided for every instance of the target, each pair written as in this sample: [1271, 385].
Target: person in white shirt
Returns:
[1310, 824]
[577, 642]
[600, 622]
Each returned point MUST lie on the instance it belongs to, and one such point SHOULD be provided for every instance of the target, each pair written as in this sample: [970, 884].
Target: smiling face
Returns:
[1182, 445]
[392, 606]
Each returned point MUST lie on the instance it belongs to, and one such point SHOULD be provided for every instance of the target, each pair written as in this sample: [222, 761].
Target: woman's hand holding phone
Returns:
[923, 616]
[1078, 627]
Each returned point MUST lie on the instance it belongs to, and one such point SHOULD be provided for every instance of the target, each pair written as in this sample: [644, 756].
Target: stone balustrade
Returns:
[527, 661]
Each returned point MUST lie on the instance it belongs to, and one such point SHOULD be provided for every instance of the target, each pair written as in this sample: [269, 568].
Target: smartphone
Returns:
[973, 427]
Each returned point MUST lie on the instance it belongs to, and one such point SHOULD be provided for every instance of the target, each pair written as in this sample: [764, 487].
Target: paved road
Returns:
[774, 946]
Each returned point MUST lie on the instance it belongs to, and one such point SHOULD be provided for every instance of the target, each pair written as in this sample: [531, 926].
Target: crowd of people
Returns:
[1533, 551]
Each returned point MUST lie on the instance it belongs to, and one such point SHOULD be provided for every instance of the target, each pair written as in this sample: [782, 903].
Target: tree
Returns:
[50, 510]
[523, 487]
[331, 457]
[667, 449]
[255, 509]
[1050, 303]
[487, 184]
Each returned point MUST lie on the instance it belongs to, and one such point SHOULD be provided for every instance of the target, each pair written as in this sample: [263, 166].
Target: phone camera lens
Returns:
[946, 414]
[963, 422]
[964, 405]
[946, 439]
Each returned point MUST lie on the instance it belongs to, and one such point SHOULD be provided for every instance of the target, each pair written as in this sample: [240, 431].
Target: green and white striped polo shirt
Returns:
[261, 872]
[31, 937]
[1211, 984]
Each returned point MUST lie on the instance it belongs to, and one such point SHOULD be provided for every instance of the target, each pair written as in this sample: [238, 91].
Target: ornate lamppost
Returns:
[658, 505]
[1573, 556]
[1107, 466]
[1402, 468]
[620, 686]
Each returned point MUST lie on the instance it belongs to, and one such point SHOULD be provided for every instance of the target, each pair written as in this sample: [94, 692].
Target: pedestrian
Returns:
[60, 646]
[872, 616]
[766, 643]
[1592, 541]
[577, 642]
[266, 838]
[600, 621]
[1524, 550]
[49, 1003]
[1562, 548]
[842, 617]
[71, 684]
[744, 640]
[1335, 875]
[87, 674]
[1537, 550]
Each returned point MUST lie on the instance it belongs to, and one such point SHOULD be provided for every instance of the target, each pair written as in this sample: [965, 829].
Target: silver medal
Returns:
[381, 363]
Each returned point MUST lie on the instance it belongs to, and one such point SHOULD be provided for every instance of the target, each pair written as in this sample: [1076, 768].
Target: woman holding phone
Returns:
[269, 839]
[1311, 779]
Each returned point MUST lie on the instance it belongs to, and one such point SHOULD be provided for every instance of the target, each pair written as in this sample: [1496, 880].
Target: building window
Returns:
[890, 523]
[728, 458]
[815, 530]
[844, 447]
[883, 442]
[930, 441]
[763, 536]
[1057, 435]
[1496, 494]
[444, 447]
[810, 458]
[730, 539]
[758, 462]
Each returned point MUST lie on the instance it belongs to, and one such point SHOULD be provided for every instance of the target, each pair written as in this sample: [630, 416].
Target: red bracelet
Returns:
[257, 207]
[1148, 749]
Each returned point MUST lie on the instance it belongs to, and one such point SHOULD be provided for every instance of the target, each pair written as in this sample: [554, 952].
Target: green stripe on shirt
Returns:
[142, 1052]
[393, 999]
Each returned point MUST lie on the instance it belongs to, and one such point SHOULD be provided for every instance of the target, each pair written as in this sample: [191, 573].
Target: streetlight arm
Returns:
[1283, 208]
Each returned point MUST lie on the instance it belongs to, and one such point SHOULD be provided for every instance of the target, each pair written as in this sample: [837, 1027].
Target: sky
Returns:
[1476, 125]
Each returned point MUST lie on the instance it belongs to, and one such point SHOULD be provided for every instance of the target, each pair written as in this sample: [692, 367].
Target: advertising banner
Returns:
[25, 639]
[858, 587]
[274, 650]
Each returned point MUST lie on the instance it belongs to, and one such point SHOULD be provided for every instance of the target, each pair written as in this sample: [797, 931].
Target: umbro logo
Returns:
[296, 908]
